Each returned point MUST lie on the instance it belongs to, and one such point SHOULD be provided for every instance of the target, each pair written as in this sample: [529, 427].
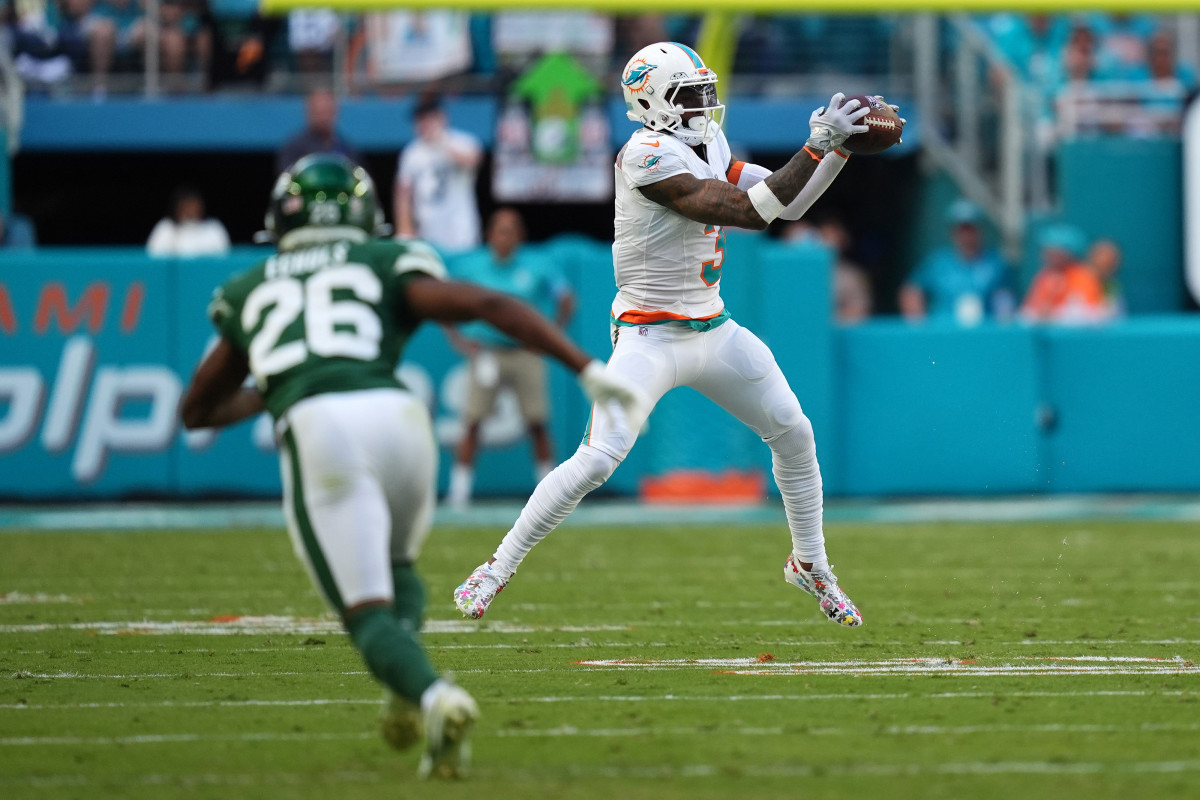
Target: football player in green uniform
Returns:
[321, 326]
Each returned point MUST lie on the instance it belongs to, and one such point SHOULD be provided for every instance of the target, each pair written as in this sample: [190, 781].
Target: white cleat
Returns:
[823, 585]
[448, 722]
[400, 723]
[476, 593]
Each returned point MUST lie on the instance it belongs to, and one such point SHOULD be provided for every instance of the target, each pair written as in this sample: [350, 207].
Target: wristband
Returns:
[811, 154]
[765, 202]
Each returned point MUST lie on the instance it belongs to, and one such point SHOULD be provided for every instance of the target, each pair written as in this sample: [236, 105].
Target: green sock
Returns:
[392, 652]
[409, 605]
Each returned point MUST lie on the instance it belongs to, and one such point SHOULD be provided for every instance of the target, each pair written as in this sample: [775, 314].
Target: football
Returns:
[886, 127]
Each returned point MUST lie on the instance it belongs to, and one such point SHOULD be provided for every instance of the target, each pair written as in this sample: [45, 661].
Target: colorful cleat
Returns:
[448, 722]
[823, 585]
[477, 592]
[400, 724]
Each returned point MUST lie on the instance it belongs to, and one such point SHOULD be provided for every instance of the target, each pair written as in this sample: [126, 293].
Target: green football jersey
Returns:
[324, 318]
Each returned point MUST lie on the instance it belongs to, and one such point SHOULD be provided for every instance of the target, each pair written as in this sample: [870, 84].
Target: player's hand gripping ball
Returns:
[886, 126]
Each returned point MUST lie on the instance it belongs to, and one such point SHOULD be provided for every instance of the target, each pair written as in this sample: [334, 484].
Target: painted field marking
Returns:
[571, 731]
[624, 698]
[579, 771]
[281, 624]
[22, 598]
[235, 625]
[1058, 665]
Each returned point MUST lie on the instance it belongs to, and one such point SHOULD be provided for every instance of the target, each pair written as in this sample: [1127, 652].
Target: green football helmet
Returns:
[323, 197]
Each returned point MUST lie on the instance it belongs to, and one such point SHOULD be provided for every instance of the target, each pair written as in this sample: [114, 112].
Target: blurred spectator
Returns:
[241, 41]
[1104, 258]
[1030, 42]
[435, 182]
[183, 36]
[1065, 289]
[851, 286]
[411, 46]
[16, 232]
[320, 134]
[117, 37]
[312, 34]
[39, 54]
[185, 232]
[965, 282]
[497, 361]
[1169, 83]
[1122, 40]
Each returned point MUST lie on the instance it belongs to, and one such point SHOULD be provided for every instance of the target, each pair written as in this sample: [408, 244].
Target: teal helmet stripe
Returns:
[691, 54]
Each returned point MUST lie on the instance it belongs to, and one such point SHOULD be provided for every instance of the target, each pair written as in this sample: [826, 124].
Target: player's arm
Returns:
[403, 208]
[452, 301]
[715, 202]
[745, 176]
[216, 397]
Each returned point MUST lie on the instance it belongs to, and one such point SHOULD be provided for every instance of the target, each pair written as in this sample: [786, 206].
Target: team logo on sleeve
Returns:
[650, 163]
[638, 75]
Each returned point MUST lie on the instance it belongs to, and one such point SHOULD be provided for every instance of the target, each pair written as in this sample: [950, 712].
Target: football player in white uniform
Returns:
[677, 187]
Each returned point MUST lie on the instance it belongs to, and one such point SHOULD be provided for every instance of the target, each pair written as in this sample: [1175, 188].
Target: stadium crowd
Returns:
[1109, 73]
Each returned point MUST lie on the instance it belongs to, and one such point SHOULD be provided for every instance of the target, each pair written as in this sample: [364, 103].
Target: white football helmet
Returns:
[664, 82]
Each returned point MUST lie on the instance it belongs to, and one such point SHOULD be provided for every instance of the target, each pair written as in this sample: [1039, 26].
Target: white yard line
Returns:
[278, 624]
[570, 731]
[662, 698]
[580, 771]
[1057, 665]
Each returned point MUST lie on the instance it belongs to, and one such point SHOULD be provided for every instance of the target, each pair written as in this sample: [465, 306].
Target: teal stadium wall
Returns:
[97, 345]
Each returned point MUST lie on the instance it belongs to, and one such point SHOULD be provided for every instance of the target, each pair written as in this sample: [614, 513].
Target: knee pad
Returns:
[795, 441]
[782, 409]
[594, 466]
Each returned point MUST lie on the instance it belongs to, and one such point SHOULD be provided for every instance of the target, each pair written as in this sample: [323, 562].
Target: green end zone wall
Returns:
[97, 345]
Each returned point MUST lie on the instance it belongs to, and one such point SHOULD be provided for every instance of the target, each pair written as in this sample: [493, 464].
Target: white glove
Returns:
[835, 123]
[611, 393]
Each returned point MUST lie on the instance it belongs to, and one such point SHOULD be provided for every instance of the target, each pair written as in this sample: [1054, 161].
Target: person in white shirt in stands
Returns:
[185, 232]
[435, 183]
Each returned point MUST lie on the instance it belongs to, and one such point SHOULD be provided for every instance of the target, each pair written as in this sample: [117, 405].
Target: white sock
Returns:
[462, 480]
[541, 469]
[794, 464]
[429, 694]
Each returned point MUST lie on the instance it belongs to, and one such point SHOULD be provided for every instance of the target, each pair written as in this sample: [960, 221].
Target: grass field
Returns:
[997, 661]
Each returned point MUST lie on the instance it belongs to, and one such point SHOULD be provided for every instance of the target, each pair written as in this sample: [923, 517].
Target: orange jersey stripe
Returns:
[735, 172]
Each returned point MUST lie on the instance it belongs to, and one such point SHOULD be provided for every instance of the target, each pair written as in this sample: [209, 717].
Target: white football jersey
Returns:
[667, 266]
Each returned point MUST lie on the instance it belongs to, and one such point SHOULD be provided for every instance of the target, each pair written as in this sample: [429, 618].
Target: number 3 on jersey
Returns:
[710, 271]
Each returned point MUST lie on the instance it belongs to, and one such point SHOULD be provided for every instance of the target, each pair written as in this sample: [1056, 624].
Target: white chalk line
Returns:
[1050, 665]
[271, 624]
[587, 644]
[570, 731]
[576, 771]
[663, 698]
[277, 624]
[35, 598]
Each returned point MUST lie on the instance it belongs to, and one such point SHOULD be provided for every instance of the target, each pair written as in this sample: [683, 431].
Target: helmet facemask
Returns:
[696, 100]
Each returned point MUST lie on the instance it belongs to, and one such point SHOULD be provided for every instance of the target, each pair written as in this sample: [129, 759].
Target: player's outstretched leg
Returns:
[822, 584]
[553, 499]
